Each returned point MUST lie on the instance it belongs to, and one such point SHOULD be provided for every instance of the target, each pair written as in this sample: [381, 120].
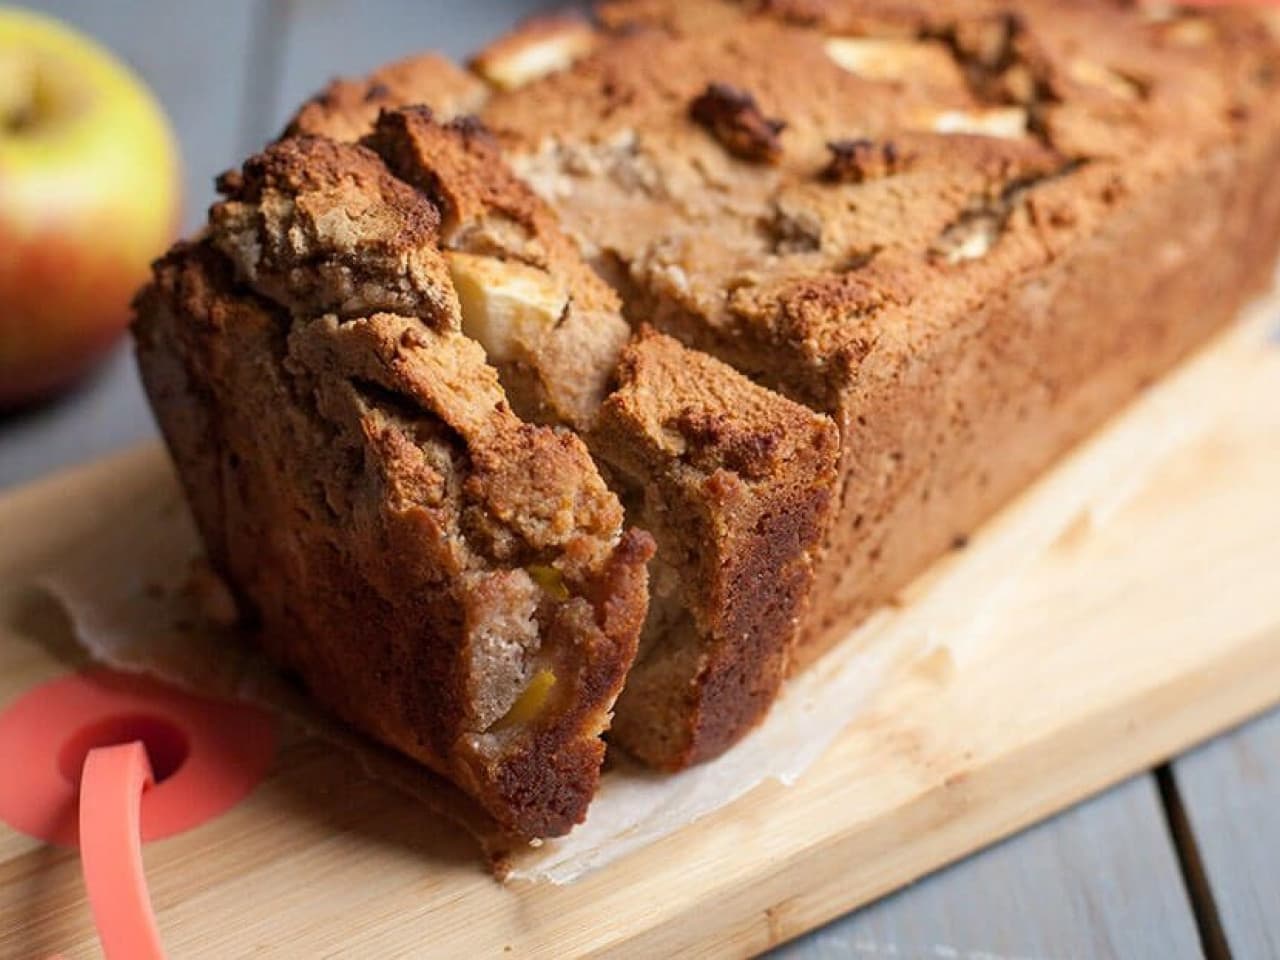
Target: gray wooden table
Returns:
[1181, 862]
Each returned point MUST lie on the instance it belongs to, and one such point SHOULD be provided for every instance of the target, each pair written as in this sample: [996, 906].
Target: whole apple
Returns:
[88, 197]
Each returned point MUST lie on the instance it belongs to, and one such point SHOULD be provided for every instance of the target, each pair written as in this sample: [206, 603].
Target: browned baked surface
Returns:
[347, 107]
[969, 231]
[499, 235]
[451, 579]
[364, 245]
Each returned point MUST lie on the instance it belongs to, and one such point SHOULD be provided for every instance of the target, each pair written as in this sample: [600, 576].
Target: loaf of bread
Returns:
[804, 288]
[434, 552]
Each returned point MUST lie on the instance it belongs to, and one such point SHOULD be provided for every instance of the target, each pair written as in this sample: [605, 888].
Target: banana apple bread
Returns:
[910, 216]
[818, 284]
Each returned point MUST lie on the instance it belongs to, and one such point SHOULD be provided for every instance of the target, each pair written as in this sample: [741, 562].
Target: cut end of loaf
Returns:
[419, 555]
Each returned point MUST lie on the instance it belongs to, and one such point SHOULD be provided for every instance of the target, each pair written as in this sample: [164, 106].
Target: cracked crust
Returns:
[679, 214]
[962, 315]
[323, 227]
[561, 374]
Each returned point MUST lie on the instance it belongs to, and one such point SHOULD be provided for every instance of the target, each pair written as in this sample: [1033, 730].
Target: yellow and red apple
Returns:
[88, 197]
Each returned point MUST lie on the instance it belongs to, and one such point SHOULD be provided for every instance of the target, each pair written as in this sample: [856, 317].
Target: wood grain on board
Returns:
[1102, 664]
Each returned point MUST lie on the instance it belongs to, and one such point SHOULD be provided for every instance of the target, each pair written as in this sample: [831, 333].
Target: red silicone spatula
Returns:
[111, 789]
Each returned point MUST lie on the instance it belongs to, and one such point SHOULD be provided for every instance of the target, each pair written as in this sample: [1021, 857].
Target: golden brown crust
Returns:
[561, 374]
[460, 167]
[347, 108]
[607, 142]
[323, 227]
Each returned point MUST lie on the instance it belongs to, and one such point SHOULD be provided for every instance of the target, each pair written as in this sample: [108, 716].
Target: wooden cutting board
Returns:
[1125, 643]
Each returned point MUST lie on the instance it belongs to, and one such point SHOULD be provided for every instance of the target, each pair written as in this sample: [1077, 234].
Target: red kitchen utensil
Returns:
[109, 761]
[111, 789]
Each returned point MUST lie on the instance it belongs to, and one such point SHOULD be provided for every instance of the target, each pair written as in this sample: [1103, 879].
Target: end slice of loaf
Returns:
[452, 579]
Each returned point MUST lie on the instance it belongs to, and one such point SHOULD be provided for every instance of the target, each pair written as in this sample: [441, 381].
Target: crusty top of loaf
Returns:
[498, 235]
[327, 231]
[323, 227]
[925, 155]
[487, 209]
[348, 107]
[819, 188]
